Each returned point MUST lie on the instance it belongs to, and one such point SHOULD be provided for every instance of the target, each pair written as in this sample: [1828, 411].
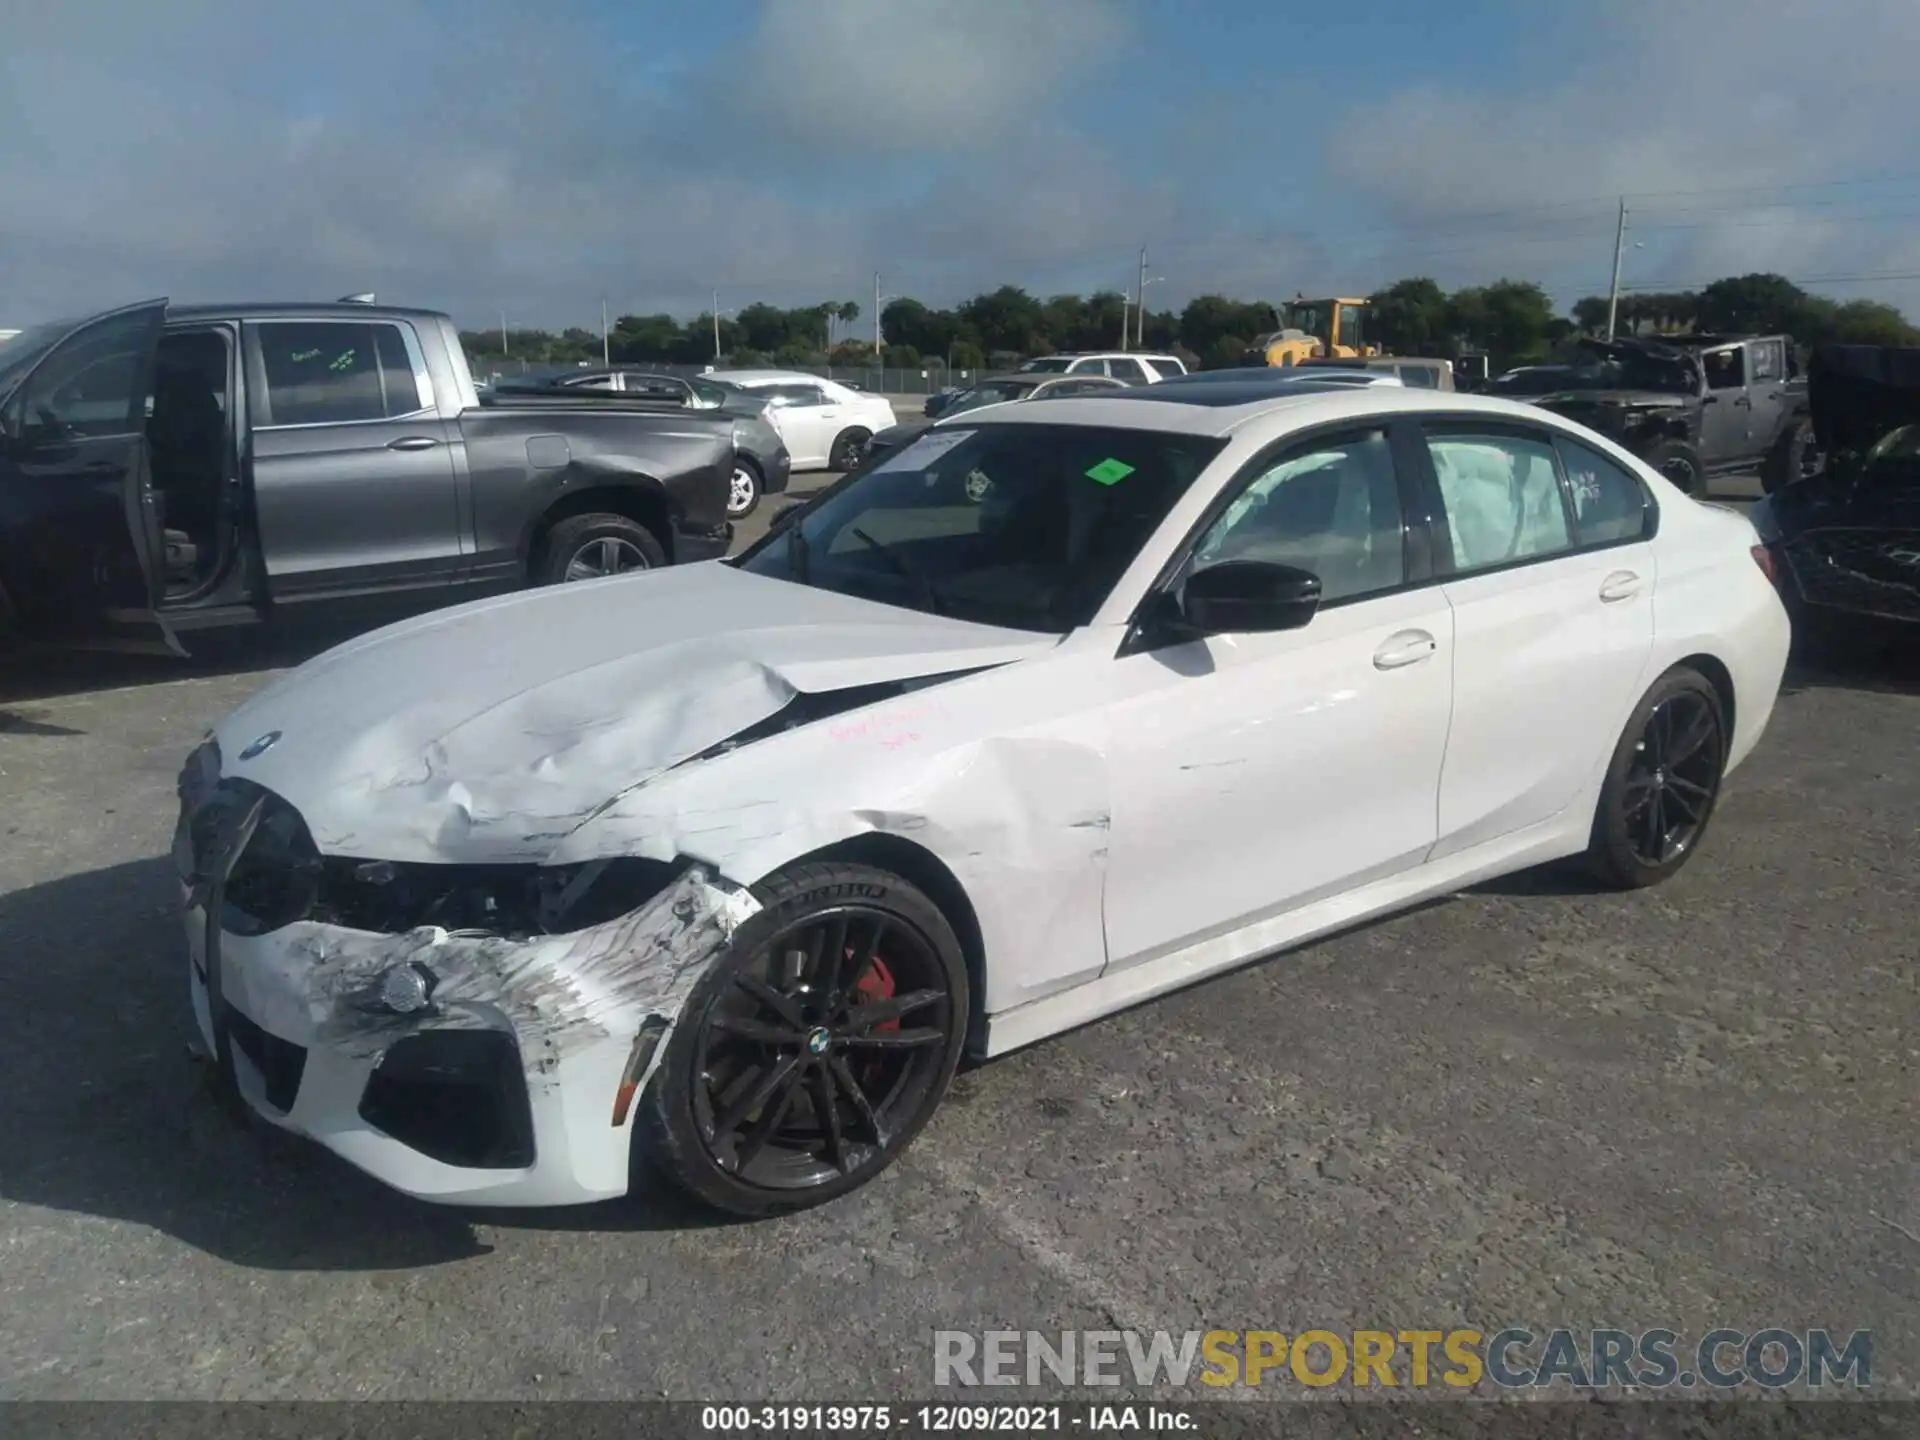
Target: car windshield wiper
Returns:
[905, 568]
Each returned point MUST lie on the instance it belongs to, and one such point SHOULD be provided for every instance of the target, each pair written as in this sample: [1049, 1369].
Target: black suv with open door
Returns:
[167, 469]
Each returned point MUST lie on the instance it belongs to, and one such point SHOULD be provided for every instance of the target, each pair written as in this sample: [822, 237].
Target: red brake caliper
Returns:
[876, 983]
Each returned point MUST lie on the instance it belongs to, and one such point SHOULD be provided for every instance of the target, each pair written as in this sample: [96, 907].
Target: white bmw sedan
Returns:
[714, 873]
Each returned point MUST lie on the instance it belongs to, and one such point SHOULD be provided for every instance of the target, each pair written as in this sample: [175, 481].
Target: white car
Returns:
[1134, 367]
[714, 872]
[823, 424]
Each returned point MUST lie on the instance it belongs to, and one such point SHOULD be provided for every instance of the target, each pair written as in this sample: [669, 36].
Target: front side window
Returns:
[1726, 369]
[1502, 498]
[1333, 511]
[322, 372]
[1051, 365]
[1609, 505]
[1353, 330]
[1023, 526]
[1089, 367]
[91, 384]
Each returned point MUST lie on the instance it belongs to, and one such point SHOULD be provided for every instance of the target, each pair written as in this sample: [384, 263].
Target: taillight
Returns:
[1763, 557]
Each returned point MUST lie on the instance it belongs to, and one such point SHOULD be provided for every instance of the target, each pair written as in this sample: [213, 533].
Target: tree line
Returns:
[1512, 321]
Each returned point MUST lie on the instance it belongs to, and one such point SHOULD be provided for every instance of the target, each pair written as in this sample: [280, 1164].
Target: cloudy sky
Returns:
[489, 157]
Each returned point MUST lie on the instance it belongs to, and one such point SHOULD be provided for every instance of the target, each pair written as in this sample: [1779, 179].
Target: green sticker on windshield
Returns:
[1110, 472]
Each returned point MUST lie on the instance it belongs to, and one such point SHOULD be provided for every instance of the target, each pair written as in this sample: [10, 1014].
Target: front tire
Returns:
[811, 1054]
[1680, 463]
[847, 449]
[589, 547]
[1662, 785]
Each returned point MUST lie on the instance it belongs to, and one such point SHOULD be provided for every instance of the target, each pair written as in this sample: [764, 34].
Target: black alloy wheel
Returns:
[816, 1049]
[849, 449]
[1663, 784]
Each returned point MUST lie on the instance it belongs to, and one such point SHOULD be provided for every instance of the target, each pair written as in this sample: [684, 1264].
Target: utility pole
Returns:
[503, 334]
[606, 352]
[716, 327]
[876, 317]
[1619, 247]
[1139, 303]
[1126, 314]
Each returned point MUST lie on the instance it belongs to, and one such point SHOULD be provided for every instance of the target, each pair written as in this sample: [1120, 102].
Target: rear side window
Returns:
[322, 372]
[1130, 370]
[1089, 367]
[1609, 505]
[1502, 498]
[1419, 376]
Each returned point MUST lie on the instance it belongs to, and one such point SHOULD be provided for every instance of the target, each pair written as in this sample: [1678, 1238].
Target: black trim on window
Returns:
[1416, 515]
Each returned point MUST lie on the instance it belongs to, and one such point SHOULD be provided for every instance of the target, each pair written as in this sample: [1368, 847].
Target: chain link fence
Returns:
[879, 379]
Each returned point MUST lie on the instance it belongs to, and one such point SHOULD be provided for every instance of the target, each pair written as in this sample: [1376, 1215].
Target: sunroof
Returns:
[1223, 395]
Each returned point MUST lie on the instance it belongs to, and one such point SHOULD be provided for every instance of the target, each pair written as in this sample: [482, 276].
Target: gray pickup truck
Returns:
[1692, 406]
[169, 469]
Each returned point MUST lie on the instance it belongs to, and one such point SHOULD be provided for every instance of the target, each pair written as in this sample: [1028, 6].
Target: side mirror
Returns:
[1239, 597]
[785, 516]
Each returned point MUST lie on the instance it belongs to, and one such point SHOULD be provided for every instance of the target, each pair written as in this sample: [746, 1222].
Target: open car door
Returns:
[80, 536]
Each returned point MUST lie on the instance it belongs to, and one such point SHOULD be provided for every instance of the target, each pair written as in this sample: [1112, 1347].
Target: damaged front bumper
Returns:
[458, 1066]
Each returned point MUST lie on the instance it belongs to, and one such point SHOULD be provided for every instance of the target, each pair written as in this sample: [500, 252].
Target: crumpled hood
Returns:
[488, 731]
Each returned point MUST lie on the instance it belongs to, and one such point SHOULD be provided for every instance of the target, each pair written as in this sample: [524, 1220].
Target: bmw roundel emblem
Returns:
[260, 747]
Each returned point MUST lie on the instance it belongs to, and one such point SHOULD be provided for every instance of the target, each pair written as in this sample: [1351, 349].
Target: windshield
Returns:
[1022, 526]
[996, 393]
[20, 353]
[1056, 365]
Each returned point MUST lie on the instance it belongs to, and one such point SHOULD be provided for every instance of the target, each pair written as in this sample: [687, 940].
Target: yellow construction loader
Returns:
[1316, 329]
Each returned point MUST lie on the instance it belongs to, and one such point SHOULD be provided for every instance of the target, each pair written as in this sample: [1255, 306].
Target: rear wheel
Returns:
[1795, 456]
[743, 492]
[847, 450]
[815, 1050]
[1679, 462]
[1663, 783]
[588, 547]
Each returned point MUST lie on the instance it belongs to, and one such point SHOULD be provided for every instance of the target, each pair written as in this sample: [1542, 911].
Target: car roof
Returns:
[1219, 410]
[765, 377]
[299, 310]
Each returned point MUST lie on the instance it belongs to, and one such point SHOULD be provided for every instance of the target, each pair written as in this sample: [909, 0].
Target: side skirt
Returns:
[1555, 839]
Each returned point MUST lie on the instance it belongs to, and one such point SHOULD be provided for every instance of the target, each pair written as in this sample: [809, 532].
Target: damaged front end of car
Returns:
[463, 1032]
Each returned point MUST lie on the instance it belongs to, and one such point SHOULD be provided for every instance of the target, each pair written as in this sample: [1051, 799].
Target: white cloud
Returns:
[927, 78]
[1706, 103]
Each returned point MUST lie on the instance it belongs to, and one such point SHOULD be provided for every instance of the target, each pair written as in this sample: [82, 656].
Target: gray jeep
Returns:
[1692, 406]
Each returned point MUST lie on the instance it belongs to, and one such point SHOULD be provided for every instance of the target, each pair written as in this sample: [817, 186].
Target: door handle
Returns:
[1408, 647]
[413, 442]
[1621, 585]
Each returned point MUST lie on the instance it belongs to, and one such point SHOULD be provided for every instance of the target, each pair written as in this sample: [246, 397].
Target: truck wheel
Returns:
[586, 547]
[1679, 462]
[1795, 455]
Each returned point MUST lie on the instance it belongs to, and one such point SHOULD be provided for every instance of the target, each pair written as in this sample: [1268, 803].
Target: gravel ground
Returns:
[1527, 1104]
